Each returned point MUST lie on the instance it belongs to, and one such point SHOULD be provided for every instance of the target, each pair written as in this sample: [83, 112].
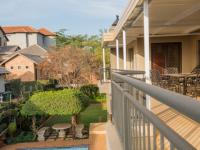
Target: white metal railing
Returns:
[138, 127]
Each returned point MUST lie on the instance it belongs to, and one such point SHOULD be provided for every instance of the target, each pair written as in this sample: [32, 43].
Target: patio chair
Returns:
[196, 69]
[156, 79]
[79, 131]
[170, 70]
[193, 86]
[43, 133]
[174, 84]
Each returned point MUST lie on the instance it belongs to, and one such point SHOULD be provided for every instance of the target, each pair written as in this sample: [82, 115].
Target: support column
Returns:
[117, 53]
[124, 48]
[146, 47]
[104, 65]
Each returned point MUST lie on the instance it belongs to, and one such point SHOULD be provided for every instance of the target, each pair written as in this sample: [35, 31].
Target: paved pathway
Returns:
[96, 141]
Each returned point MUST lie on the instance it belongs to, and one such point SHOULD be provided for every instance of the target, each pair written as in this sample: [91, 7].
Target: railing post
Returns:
[146, 47]
[117, 53]
[124, 48]
[104, 66]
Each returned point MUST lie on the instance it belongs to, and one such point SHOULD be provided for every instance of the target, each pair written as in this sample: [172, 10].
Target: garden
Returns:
[40, 104]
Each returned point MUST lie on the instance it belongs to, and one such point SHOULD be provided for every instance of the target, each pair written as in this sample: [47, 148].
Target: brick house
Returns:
[23, 64]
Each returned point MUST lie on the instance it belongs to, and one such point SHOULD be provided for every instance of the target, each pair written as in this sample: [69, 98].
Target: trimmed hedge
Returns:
[62, 102]
[91, 90]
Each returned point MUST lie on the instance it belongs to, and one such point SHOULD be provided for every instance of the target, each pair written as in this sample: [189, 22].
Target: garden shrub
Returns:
[15, 87]
[90, 90]
[3, 126]
[12, 128]
[22, 137]
[101, 98]
[62, 102]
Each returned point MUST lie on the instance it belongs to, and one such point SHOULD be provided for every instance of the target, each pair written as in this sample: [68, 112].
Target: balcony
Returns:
[145, 116]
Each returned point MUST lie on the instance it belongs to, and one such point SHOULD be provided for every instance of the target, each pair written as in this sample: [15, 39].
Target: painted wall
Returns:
[19, 39]
[26, 72]
[24, 40]
[32, 39]
[189, 52]
[49, 41]
[40, 40]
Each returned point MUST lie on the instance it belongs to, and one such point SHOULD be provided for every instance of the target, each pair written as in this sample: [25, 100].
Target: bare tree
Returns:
[70, 66]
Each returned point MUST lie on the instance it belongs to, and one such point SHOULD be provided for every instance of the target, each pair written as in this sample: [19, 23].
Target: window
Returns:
[27, 67]
[19, 67]
[11, 67]
[1, 44]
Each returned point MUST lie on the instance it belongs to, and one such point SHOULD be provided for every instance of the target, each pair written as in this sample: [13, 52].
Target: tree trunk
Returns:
[34, 125]
[74, 120]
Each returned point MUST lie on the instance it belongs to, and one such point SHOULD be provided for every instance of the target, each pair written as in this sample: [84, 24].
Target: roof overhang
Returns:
[167, 18]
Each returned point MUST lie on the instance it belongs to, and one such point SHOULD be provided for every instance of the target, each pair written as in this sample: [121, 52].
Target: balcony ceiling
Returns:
[167, 18]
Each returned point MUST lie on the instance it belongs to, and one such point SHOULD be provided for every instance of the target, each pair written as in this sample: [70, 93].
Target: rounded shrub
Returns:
[62, 102]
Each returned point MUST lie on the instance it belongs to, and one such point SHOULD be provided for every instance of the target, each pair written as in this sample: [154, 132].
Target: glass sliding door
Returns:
[165, 55]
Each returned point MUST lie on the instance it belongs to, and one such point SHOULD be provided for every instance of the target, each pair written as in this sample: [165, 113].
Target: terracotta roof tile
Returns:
[46, 32]
[17, 29]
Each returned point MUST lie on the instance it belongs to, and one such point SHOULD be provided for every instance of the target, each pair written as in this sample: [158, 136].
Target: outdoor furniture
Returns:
[43, 133]
[60, 128]
[79, 130]
[193, 85]
[171, 70]
[157, 79]
[178, 81]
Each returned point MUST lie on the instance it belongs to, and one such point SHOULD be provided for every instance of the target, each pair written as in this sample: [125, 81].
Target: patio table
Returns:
[61, 128]
[183, 77]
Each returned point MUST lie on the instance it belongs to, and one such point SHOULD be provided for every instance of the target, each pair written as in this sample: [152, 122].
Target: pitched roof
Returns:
[19, 29]
[46, 32]
[26, 29]
[35, 59]
[8, 49]
[34, 50]
[34, 53]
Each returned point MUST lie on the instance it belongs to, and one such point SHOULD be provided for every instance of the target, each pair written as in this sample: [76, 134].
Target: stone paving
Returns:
[96, 141]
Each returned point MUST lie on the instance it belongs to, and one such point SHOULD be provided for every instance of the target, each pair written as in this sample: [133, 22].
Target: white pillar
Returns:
[117, 53]
[146, 47]
[104, 65]
[124, 48]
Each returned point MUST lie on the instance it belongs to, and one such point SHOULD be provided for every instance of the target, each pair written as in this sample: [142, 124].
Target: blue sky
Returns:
[77, 16]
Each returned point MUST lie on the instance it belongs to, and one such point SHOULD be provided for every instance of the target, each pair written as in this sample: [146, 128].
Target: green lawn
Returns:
[92, 114]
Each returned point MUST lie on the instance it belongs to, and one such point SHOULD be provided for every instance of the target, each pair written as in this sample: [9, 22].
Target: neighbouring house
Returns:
[26, 36]
[3, 37]
[3, 72]
[7, 51]
[24, 63]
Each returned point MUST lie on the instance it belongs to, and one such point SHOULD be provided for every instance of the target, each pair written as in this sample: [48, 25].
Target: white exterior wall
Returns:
[32, 39]
[17, 39]
[24, 40]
